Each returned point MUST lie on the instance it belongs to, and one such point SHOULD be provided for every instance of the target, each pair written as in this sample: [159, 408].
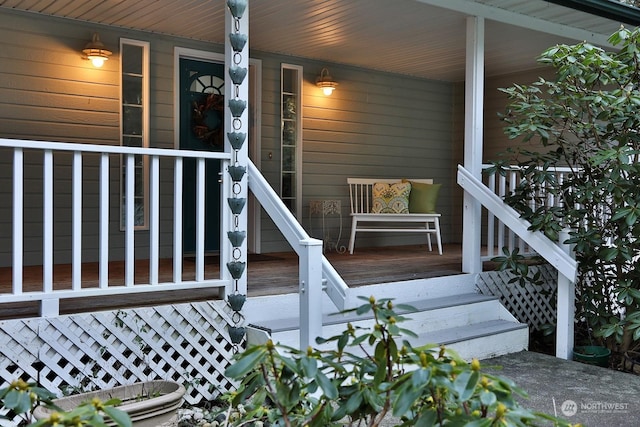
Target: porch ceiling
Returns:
[424, 38]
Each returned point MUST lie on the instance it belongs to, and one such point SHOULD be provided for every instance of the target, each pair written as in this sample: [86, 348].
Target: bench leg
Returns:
[352, 239]
[436, 223]
[429, 238]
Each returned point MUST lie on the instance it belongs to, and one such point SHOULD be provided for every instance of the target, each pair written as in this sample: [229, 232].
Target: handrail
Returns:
[546, 248]
[111, 149]
[294, 233]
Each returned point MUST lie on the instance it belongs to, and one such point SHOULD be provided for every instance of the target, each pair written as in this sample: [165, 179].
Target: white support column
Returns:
[565, 309]
[241, 157]
[310, 271]
[474, 88]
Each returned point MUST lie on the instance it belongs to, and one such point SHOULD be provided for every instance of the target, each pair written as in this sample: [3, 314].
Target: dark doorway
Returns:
[201, 128]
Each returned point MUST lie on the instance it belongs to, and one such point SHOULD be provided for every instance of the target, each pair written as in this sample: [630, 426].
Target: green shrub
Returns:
[22, 398]
[424, 386]
[585, 119]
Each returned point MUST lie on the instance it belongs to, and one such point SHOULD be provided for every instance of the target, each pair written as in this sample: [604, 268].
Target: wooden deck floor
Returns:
[366, 266]
[267, 274]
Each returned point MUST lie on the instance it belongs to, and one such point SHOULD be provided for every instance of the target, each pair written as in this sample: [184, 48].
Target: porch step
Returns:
[474, 325]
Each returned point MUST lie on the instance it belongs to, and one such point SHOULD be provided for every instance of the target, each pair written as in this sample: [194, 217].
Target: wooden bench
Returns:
[361, 197]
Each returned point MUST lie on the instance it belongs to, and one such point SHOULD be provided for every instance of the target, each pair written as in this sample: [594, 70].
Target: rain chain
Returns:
[236, 171]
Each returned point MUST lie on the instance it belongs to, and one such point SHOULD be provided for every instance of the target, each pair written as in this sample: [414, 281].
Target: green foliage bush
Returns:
[368, 376]
[586, 119]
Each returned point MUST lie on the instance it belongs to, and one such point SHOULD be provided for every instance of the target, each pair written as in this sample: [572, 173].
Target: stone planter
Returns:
[148, 403]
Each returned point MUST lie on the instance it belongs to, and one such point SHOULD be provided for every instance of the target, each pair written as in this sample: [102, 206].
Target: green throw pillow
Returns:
[423, 197]
[391, 198]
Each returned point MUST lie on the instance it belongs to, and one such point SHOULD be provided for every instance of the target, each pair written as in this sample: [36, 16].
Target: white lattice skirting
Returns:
[530, 304]
[187, 343]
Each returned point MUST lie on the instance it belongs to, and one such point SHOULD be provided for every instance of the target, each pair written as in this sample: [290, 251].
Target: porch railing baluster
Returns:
[177, 221]
[512, 235]
[491, 222]
[502, 184]
[130, 173]
[18, 213]
[200, 219]
[47, 222]
[103, 275]
[154, 220]
[76, 275]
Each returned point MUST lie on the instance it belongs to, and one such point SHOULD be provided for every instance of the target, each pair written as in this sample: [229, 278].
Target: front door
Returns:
[201, 128]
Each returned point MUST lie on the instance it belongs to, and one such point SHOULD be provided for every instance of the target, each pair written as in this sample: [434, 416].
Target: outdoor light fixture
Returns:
[96, 51]
[325, 81]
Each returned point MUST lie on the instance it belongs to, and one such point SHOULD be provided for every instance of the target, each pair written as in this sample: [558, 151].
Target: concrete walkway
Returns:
[575, 392]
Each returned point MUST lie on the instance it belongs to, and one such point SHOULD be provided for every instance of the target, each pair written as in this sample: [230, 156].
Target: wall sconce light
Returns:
[326, 82]
[96, 51]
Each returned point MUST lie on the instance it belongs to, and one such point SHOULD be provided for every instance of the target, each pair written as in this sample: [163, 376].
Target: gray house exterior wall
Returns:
[496, 101]
[374, 125]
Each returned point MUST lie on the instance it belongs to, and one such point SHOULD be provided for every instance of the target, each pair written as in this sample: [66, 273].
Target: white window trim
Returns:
[145, 128]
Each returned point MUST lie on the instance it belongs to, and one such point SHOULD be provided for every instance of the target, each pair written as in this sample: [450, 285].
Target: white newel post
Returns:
[310, 292]
[565, 309]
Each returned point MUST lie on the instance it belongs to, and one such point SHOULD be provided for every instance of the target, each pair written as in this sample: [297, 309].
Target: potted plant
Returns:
[592, 354]
[148, 404]
[19, 401]
[585, 119]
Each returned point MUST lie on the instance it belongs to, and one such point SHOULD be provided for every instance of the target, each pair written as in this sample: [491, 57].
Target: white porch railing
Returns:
[556, 255]
[536, 240]
[314, 271]
[497, 234]
[42, 177]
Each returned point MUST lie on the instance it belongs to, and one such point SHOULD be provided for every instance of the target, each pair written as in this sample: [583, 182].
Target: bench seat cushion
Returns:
[423, 197]
[391, 198]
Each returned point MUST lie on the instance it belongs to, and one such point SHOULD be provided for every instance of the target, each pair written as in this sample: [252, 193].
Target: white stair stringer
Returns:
[448, 310]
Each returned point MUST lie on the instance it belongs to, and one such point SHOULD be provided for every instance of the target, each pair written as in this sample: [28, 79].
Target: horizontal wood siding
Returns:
[48, 92]
[496, 102]
[374, 125]
[494, 139]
